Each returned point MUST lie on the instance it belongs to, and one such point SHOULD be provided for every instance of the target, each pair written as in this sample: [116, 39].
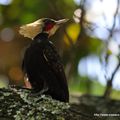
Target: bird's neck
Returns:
[40, 37]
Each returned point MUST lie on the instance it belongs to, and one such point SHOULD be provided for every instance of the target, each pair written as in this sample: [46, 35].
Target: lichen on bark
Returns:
[21, 104]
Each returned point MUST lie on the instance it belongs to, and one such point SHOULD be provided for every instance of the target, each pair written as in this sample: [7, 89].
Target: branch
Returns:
[109, 81]
[20, 104]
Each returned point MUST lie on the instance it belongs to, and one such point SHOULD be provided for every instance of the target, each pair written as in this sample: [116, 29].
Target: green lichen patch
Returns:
[21, 104]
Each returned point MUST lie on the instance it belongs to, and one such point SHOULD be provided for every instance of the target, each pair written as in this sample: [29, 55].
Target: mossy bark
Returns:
[22, 104]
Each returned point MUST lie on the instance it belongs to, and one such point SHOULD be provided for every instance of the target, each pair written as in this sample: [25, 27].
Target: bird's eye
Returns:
[49, 26]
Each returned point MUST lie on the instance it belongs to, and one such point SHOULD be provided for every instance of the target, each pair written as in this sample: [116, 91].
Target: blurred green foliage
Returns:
[70, 47]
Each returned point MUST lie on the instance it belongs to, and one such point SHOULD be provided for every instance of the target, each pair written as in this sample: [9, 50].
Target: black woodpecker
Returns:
[42, 63]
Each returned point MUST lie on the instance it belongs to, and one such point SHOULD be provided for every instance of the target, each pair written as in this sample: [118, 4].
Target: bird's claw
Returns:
[34, 93]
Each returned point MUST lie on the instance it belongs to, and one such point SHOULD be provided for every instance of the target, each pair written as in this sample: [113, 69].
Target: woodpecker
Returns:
[41, 63]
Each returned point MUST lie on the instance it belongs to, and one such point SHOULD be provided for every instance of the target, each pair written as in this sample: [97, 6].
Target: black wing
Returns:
[54, 62]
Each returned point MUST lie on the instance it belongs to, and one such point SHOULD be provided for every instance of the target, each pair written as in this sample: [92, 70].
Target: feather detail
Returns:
[32, 29]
